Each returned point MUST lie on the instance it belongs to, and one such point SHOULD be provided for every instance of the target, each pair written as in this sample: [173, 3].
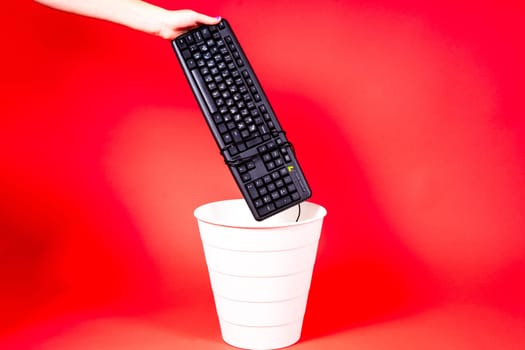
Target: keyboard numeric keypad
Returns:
[272, 191]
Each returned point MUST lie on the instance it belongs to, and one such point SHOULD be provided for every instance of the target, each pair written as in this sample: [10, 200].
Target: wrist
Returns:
[145, 17]
[164, 26]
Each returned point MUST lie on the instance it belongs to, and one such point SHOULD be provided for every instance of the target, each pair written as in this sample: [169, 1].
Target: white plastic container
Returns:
[260, 271]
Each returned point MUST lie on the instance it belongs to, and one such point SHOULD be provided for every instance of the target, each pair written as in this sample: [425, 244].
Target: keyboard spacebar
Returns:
[203, 91]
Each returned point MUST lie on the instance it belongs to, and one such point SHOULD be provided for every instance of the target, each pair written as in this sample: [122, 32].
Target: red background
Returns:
[407, 117]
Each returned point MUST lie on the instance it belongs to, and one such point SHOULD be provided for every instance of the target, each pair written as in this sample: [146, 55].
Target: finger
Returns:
[205, 19]
[180, 21]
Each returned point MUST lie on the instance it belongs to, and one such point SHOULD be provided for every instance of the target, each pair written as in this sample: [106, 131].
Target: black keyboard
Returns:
[248, 134]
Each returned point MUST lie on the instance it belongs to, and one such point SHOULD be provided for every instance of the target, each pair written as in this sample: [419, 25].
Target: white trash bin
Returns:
[260, 271]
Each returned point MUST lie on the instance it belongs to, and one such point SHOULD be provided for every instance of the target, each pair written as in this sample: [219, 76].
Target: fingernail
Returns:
[218, 18]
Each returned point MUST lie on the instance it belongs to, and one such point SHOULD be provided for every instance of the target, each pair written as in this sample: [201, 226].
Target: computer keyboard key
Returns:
[201, 85]
[252, 190]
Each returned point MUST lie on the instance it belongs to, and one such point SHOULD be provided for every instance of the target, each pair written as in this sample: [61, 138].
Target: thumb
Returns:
[205, 19]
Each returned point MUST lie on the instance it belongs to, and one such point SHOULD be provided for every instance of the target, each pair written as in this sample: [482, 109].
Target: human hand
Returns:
[175, 22]
[137, 14]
